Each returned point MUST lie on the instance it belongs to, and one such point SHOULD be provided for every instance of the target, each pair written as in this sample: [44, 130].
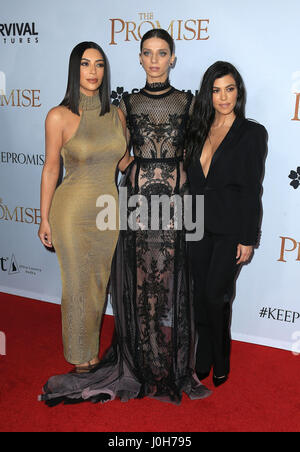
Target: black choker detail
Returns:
[156, 87]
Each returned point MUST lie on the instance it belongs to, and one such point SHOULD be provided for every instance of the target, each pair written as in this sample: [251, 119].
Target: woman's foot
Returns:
[218, 381]
[86, 367]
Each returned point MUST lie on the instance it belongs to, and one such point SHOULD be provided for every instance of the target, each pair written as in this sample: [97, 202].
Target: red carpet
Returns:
[262, 394]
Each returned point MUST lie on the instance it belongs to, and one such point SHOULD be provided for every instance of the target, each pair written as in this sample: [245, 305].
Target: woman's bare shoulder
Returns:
[58, 113]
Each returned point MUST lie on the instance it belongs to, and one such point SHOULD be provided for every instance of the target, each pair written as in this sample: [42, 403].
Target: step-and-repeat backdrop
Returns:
[260, 38]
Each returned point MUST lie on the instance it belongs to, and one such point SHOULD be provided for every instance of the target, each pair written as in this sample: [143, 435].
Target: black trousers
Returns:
[213, 261]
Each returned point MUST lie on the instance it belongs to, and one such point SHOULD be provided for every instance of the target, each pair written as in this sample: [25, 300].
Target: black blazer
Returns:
[232, 189]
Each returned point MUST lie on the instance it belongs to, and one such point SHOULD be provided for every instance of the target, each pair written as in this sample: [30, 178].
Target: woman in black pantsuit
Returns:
[224, 160]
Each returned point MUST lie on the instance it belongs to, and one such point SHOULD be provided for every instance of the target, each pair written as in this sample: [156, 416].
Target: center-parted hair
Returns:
[72, 96]
[161, 34]
[204, 113]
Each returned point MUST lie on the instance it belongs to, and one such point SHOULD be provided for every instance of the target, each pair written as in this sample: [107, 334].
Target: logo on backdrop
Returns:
[296, 95]
[180, 29]
[11, 266]
[19, 214]
[295, 176]
[21, 98]
[281, 315]
[19, 33]
[117, 95]
[20, 158]
[289, 250]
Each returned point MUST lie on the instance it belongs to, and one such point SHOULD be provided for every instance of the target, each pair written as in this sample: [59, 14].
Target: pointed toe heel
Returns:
[218, 381]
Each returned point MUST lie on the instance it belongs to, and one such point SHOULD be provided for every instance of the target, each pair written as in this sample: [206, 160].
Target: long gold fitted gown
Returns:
[84, 252]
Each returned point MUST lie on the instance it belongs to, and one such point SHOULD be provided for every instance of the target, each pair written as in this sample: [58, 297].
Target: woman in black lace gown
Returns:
[153, 351]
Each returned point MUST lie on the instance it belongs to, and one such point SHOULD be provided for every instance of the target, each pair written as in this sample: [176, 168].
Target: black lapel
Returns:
[231, 137]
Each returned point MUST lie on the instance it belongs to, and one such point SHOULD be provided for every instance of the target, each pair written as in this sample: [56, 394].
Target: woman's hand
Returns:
[45, 234]
[125, 162]
[244, 253]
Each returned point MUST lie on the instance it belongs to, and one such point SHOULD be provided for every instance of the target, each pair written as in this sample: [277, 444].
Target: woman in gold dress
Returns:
[87, 131]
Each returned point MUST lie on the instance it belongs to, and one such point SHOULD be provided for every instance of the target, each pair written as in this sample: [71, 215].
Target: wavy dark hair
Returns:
[72, 96]
[161, 34]
[204, 113]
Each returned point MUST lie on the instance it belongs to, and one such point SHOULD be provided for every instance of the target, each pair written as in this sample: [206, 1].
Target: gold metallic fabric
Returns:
[84, 252]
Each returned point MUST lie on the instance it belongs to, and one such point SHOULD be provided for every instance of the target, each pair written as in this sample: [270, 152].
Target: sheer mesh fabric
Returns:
[157, 122]
[161, 298]
[153, 350]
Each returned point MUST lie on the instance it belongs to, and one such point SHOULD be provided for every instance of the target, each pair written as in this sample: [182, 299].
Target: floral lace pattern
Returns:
[157, 259]
[157, 123]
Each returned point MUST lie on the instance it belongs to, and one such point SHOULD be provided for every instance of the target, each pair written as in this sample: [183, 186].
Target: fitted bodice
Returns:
[157, 123]
[98, 144]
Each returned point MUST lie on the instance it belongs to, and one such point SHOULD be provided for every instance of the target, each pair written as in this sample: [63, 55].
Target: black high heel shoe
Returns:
[218, 381]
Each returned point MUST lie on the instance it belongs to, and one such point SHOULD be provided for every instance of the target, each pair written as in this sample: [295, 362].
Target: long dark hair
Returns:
[161, 34]
[71, 99]
[204, 113]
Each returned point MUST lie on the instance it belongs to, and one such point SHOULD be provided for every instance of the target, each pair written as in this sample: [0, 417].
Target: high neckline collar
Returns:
[157, 96]
[157, 86]
[89, 102]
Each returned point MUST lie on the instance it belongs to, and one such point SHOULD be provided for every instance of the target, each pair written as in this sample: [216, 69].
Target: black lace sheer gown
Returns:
[153, 351]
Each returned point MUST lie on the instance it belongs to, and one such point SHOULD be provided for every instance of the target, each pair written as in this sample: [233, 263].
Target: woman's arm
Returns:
[50, 174]
[127, 158]
[252, 175]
